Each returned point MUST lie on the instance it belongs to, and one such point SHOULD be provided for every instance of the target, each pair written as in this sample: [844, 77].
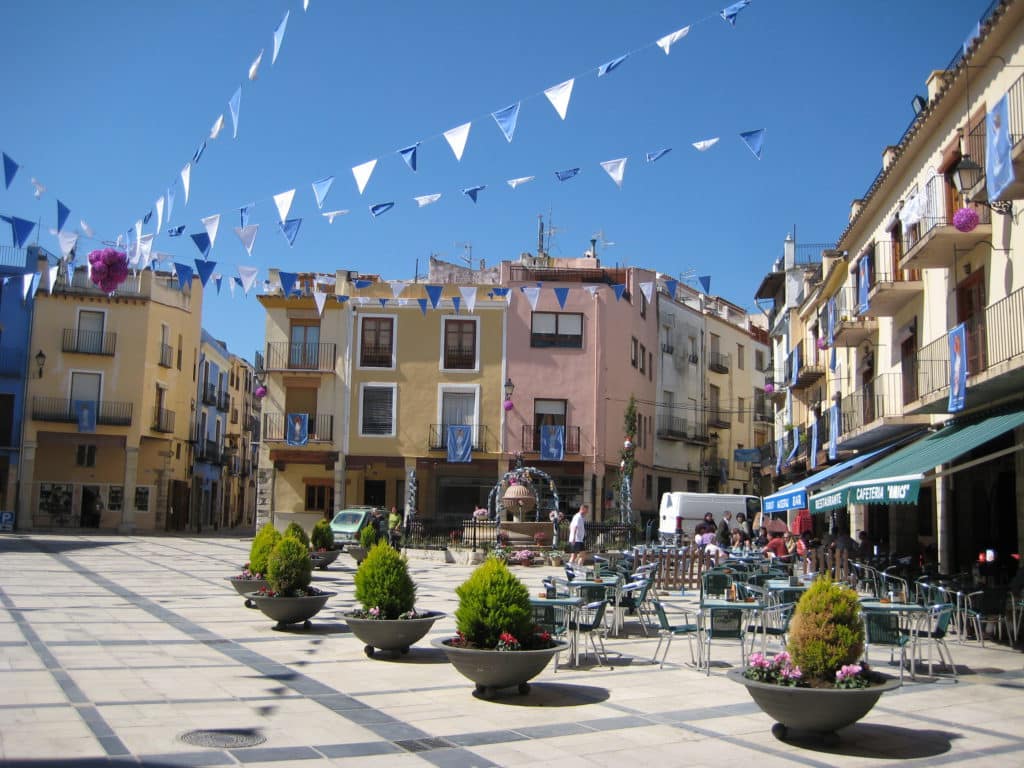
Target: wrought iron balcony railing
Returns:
[223, 401]
[108, 412]
[439, 437]
[531, 438]
[287, 356]
[208, 393]
[320, 428]
[88, 342]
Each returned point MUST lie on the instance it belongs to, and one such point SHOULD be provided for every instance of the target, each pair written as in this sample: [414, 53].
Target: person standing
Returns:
[577, 534]
[724, 530]
[395, 528]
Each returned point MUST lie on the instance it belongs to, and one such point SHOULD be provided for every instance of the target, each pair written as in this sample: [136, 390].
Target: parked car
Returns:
[347, 524]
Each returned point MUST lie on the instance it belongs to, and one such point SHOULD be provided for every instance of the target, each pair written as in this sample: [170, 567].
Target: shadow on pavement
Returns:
[887, 742]
[549, 694]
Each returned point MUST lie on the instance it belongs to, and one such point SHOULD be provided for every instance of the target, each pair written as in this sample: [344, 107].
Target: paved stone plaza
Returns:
[112, 648]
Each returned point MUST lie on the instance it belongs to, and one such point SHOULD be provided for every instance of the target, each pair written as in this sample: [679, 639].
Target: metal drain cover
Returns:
[223, 738]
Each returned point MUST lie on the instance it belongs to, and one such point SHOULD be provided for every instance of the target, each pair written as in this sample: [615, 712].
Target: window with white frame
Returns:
[556, 329]
[377, 410]
[459, 343]
[376, 341]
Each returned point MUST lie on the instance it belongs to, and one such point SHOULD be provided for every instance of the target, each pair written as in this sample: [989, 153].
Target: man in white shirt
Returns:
[577, 532]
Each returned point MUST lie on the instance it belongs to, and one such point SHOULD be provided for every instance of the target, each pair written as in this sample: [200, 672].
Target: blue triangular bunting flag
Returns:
[379, 208]
[216, 281]
[199, 153]
[607, 67]
[175, 231]
[184, 272]
[288, 281]
[472, 192]
[561, 294]
[434, 294]
[409, 155]
[657, 155]
[10, 168]
[456, 302]
[205, 269]
[202, 241]
[501, 292]
[506, 119]
[20, 230]
[754, 141]
[320, 189]
[619, 290]
[567, 174]
[670, 286]
[705, 283]
[423, 305]
[383, 302]
[342, 298]
[290, 229]
[360, 284]
[243, 214]
[147, 217]
[731, 12]
[62, 215]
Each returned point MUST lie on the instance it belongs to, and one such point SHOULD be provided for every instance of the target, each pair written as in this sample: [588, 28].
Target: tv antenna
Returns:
[467, 253]
[599, 236]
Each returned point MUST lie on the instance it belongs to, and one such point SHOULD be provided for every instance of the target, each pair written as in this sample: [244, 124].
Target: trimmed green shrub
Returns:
[323, 536]
[826, 630]
[296, 531]
[382, 581]
[262, 546]
[368, 537]
[290, 567]
[493, 601]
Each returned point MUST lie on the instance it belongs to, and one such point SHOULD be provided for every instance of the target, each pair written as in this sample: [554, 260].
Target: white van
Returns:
[681, 511]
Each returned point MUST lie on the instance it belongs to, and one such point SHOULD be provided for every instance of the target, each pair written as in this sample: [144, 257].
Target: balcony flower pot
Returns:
[244, 584]
[290, 609]
[393, 635]
[821, 711]
[491, 669]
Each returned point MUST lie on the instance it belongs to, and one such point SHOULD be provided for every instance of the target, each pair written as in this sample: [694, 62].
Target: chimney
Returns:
[789, 252]
[888, 155]
[936, 82]
[855, 207]
[593, 248]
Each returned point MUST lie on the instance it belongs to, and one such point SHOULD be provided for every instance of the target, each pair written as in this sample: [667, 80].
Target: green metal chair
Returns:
[715, 583]
[935, 627]
[634, 600]
[552, 619]
[667, 631]
[882, 628]
[591, 625]
[721, 624]
[774, 623]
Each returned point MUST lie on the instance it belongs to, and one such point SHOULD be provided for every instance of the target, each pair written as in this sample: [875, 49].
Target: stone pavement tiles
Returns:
[114, 649]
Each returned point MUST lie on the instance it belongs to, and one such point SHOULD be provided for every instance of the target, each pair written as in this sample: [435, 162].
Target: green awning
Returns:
[897, 478]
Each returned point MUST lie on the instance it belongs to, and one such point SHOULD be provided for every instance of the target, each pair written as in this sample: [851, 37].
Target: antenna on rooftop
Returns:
[467, 253]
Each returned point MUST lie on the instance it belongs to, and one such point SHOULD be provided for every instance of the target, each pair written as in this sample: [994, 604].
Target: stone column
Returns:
[131, 469]
[944, 522]
[339, 484]
[26, 487]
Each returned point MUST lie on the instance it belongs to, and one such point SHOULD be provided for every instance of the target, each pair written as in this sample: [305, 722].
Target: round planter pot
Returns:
[245, 586]
[395, 635]
[358, 553]
[322, 559]
[491, 670]
[290, 610]
[819, 710]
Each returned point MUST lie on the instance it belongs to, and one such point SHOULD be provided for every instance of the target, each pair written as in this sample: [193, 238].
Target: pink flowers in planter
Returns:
[109, 268]
[965, 219]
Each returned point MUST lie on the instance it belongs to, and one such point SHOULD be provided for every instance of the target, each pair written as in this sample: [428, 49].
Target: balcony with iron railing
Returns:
[994, 358]
[718, 417]
[223, 400]
[874, 413]
[77, 340]
[764, 413]
[12, 361]
[531, 438]
[163, 420]
[286, 356]
[975, 147]
[377, 356]
[811, 365]
[930, 241]
[208, 394]
[208, 451]
[455, 359]
[108, 412]
[719, 362]
[671, 427]
[438, 438]
[320, 428]
[851, 327]
[890, 287]
[166, 355]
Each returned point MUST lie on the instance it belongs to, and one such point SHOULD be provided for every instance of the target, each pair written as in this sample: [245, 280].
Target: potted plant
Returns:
[820, 685]
[252, 578]
[367, 538]
[289, 599]
[321, 544]
[296, 531]
[388, 619]
[555, 558]
[498, 645]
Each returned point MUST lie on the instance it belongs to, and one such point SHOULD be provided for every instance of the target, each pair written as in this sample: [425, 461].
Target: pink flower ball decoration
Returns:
[507, 405]
[627, 444]
[821, 342]
[769, 388]
[109, 268]
[965, 219]
[260, 392]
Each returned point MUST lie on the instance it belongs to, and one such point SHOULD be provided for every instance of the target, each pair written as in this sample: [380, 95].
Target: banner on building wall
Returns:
[812, 460]
[460, 444]
[957, 367]
[833, 431]
[552, 442]
[863, 274]
[85, 414]
[298, 429]
[998, 162]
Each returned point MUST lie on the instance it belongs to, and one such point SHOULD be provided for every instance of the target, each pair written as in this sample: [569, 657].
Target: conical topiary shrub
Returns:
[493, 602]
[383, 583]
[289, 568]
[826, 632]
[323, 536]
[298, 532]
[262, 545]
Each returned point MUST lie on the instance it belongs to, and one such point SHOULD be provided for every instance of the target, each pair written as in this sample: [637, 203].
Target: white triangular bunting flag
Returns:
[559, 96]
[145, 249]
[591, 289]
[279, 36]
[218, 126]
[363, 173]
[397, 286]
[53, 277]
[456, 138]
[706, 144]
[248, 275]
[320, 298]
[159, 205]
[283, 201]
[532, 294]
[231, 286]
[247, 235]
[26, 283]
[68, 241]
[186, 178]
[330, 215]
[86, 229]
[469, 296]
[647, 289]
[254, 68]
[521, 180]
[616, 169]
[665, 43]
[424, 200]
[212, 224]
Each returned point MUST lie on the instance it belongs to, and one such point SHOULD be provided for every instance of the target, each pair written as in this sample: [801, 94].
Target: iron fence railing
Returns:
[287, 356]
[208, 394]
[880, 398]
[223, 401]
[719, 362]
[88, 342]
[320, 428]
[438, 439]
[108, 412]
[531, 438]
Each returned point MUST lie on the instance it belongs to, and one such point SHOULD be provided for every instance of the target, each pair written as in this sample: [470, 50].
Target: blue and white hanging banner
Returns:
[460, 444]
[794, 371]
[783, 500]
[796, 445]
[746, 455]
[812, 457]
[833, 431]
[998, 163]
[778, 456]
[298, 429]
[85, 415]
[552, 442]
[957, 367]
[863, 272]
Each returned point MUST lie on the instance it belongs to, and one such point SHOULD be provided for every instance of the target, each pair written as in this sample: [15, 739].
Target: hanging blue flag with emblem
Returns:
[833, 431]
[298, 429]
[998, 149]
[957, 367]
[460, 444]
[812, 458]
[552, 442]
[794, 360]
[85, 413]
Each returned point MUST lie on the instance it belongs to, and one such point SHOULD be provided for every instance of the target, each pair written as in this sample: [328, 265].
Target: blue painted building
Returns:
[213, 403]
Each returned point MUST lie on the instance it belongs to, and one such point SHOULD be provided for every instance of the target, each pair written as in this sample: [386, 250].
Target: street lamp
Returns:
[40, 362]
[509, 388]
[966, 175]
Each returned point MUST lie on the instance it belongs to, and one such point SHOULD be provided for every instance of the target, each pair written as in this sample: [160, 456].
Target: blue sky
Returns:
[105, 101]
